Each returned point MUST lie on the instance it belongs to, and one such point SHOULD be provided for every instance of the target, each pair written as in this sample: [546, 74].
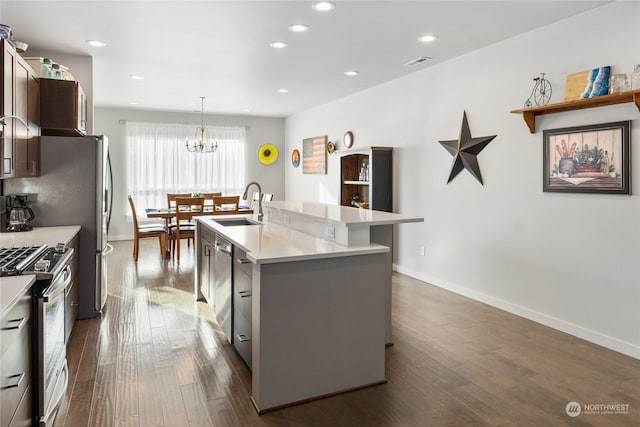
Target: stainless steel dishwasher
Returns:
[222, 280]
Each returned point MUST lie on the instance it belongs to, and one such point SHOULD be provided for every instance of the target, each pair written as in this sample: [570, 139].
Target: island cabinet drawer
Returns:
[15, 355]
[241, 263]
[242, 336]
[242, 294]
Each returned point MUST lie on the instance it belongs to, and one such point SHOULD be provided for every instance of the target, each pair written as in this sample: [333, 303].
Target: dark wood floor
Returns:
[157, 358]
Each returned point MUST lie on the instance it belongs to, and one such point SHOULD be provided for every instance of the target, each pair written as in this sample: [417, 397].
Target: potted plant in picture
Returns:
[589, 160]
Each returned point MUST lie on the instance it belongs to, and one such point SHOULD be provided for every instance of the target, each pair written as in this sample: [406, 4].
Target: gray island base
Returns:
[318, 316]
[318, 329]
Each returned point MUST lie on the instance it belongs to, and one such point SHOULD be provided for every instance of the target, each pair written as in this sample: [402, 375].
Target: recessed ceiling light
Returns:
[135, 77]
[351, 73]
[323, 6]
[299, 28]
[428, 38]
[283, 90]
[246, 110]
[133, 103]
[278, 45]
[96, 43]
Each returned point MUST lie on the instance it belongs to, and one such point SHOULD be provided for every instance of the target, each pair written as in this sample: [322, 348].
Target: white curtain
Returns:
[159, 163]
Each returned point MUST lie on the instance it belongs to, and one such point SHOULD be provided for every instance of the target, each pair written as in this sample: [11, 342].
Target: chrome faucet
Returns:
[244, 196]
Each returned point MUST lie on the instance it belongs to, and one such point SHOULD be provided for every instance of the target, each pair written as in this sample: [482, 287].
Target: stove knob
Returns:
[60, 248]
[42, 265]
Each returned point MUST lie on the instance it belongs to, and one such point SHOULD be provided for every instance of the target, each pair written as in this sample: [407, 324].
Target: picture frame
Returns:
[588, 159]
[314, 155]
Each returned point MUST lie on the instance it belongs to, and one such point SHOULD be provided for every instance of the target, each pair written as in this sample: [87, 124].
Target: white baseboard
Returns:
[120, 237]
[595, 337]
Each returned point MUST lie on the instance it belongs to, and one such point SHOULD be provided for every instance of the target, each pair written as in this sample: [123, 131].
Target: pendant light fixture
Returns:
[201, 142]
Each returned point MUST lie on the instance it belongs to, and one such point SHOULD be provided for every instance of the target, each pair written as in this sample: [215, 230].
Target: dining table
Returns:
[169, 213]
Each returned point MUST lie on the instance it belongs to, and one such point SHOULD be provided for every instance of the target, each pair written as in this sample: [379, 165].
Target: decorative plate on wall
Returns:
[347, 139]
[295, 158]
[331, 147]
[268, 154]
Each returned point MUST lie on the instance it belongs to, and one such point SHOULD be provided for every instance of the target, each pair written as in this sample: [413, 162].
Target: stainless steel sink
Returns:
[233, 222]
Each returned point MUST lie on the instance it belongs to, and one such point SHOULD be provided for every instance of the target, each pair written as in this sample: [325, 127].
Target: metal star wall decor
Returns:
[465, 151]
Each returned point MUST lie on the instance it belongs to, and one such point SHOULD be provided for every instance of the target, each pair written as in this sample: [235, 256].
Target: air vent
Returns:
[417, 61]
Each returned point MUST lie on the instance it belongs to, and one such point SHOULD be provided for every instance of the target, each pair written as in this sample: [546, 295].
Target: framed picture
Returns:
[587, 159]
[314, 155]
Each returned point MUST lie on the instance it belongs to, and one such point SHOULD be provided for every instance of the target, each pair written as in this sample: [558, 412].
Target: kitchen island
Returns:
[317, 304]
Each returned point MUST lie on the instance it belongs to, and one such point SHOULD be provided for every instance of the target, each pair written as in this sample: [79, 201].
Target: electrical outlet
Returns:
[287, 219]
[422, 250]
[330, 231]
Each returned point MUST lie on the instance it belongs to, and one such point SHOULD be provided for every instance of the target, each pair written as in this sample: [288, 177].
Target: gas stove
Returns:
[43, 261]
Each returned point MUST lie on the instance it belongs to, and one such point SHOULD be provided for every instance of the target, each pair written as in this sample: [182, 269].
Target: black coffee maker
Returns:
[18, 214]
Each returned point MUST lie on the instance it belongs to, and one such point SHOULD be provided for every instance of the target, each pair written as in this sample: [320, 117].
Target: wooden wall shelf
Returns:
[529, 114]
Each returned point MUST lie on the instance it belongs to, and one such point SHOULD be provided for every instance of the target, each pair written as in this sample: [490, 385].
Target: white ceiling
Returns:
[220, 49]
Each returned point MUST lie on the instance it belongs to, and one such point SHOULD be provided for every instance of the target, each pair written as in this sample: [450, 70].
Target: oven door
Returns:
[52, 367]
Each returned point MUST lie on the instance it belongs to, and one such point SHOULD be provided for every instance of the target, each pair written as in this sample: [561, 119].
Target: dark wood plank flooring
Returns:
[157, 358]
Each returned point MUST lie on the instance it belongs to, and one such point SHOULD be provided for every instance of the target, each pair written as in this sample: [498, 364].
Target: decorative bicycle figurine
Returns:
[541, 92]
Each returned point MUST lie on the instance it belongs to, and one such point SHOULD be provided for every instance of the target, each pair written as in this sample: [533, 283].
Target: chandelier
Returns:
[201, 142]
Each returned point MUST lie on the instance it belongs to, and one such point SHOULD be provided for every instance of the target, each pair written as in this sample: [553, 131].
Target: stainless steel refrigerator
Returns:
[74, 188]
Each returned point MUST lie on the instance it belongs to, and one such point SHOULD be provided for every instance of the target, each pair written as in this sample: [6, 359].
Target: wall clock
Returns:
[347, 139]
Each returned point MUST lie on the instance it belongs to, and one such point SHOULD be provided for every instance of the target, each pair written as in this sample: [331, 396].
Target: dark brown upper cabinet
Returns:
[63, 108]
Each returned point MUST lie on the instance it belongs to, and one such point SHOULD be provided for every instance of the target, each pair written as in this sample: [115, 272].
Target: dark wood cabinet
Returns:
[63, 108]
[376, 190]
[20, 142]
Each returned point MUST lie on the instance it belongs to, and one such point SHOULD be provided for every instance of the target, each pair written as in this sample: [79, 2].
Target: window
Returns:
[158, 162]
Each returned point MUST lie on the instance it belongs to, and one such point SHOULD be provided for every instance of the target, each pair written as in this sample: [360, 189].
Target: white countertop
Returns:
[346, 215]
[271, 243]
[12, 288]
[40, 236]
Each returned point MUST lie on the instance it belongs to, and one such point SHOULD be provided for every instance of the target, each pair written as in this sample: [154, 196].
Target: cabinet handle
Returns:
[242, 338]
[19, 377]
[19, 325]
[242, 261]
[244, 294]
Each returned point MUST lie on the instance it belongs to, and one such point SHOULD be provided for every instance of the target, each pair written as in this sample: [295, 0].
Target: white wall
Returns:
[571, 261]
[260, 131]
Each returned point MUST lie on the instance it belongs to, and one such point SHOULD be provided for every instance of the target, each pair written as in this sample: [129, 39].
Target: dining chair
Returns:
[171, 198]
[208, 198]
[171, 203]
[226, 204]
[254, 200]
[266, 197]
[186, 209]
[146, 231]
